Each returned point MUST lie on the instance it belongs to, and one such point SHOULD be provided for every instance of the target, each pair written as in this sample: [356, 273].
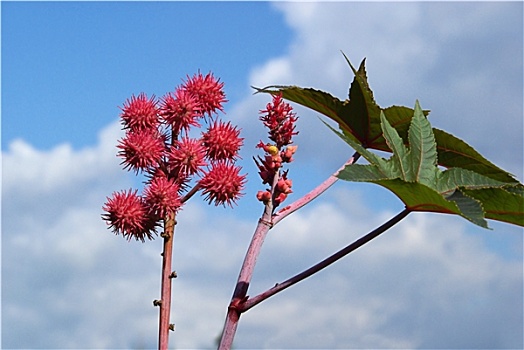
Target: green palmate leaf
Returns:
[469, 208]
[501, 204]
[518, 190]
[369, 156]
[401, 165]
[413, 175]
[362, 116]
[454, 178]
[360, 172]
[453, 152]
[418, 197]
[423, 148]
[359, 119]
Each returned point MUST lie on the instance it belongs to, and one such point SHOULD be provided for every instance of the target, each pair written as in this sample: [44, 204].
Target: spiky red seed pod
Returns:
[162, 197]
[222, 141]
[139, 112]
[126, 214]
[208, 90]
[187, 156]
[141, 149]
[222, 183]
[181, 110]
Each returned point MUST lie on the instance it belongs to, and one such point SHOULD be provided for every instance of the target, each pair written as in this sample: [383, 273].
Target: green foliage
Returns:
[359, 119]
[471, 187]
[413, 175]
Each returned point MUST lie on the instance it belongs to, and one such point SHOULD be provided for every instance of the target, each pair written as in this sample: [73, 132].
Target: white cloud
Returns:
[71, 283]
[462, 61]
[418, 286]
[48, 171]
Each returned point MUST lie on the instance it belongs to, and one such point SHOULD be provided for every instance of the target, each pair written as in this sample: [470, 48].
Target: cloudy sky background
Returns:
[431, 282]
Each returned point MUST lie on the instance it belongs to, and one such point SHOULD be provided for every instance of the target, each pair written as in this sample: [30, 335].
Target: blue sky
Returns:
[431, 282]
[96, 55]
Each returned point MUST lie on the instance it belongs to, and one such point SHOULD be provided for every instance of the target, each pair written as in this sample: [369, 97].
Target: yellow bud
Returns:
[272, 149]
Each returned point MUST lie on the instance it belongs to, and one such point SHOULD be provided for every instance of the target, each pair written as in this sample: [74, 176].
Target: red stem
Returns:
[246, 272]
[167, 275]
[249, 303]
[307, 198]
[244, 278]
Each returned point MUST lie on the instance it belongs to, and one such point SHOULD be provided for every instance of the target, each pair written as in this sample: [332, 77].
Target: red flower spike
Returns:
[181, 110]
[186, 157]
[280, 120]
[140, 113]
[222, 141]
[141, 149]
[222, 184]
[162, 196]
[208, 90]
[126, 213]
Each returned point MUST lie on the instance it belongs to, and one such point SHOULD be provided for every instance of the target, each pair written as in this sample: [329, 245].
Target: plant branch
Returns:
[249, 303]
[299, 203]
[246, 272]
[266, 222]
[190, 193]
[167, 275]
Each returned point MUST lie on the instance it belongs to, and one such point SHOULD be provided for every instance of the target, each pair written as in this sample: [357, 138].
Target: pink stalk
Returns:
[248, 304]
[307, 198]
[246, 273]
[244, 278]
[167, 275]
[236, 307]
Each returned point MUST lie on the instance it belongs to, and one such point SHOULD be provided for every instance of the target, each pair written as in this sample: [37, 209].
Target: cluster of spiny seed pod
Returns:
[158, 144]
[279, 118]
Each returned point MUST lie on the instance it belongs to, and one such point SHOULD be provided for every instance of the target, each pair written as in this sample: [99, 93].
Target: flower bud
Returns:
[264, 196]
[279, 199]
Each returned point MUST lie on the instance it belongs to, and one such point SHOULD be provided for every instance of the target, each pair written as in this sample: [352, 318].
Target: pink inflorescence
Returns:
[187, 156]
[279, 118]
[157, 143]
[139, 112]
[181, 110]
[222, 183]
[222, 141]
[208, 90]
[126, 213]
[162, 197]
[141, 149]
